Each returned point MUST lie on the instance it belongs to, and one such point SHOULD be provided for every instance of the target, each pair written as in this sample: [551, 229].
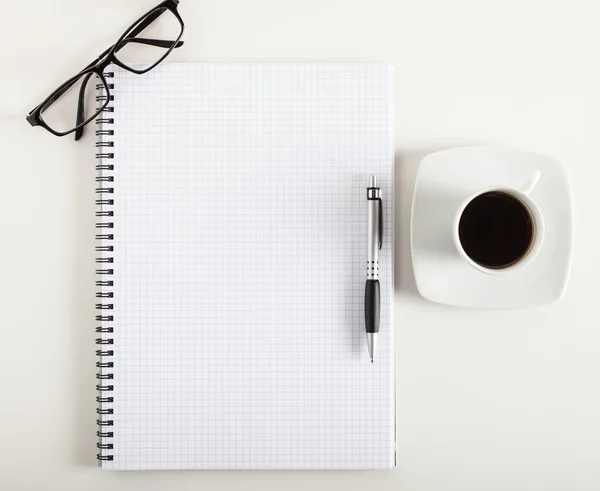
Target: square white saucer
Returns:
[444, 181]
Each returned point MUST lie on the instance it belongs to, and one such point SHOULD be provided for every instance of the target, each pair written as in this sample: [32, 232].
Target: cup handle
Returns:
[535, 177]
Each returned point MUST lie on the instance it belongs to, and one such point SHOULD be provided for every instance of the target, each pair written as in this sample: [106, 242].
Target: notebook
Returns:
[232, 251]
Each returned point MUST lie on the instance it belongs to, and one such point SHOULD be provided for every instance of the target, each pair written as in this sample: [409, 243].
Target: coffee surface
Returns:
[496, 230]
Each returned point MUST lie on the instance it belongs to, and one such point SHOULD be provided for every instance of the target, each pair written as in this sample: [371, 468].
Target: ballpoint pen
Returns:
[374, 240]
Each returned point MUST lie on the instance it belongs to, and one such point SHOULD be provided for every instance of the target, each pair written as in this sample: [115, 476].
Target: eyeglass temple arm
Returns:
[159, 43]
[81, 101]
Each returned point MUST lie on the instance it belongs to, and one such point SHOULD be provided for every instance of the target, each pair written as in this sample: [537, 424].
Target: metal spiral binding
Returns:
[105, 283]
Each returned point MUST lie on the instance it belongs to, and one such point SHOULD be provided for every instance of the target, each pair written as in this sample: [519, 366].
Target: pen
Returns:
[374, 239]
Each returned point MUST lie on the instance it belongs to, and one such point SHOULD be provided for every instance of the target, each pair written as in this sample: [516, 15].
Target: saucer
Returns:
[444, 180]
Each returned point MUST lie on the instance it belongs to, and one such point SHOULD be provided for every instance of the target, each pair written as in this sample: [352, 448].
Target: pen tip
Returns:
[371, 360]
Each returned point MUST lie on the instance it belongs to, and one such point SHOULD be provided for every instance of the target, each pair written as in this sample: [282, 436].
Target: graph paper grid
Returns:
[239, 267]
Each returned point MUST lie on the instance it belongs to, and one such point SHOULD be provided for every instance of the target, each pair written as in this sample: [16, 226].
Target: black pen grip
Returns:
[372, 306]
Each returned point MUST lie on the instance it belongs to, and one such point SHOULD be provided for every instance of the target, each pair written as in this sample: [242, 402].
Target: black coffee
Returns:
[496, 230]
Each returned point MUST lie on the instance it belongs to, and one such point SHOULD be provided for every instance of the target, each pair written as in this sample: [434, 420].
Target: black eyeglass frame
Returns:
[98, 66]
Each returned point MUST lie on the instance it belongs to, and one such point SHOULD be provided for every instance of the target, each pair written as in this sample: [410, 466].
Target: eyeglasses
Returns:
[56, 112]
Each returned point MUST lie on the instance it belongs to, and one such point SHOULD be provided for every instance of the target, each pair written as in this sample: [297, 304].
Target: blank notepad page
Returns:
[239, 248]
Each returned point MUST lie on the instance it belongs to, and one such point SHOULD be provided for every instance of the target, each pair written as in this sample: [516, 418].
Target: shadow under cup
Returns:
[496, 230]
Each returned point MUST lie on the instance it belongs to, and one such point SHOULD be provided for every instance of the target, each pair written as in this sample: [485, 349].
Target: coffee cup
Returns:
[499, 229]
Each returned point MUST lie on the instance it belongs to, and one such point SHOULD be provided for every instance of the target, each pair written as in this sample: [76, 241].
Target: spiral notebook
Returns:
[232, 250]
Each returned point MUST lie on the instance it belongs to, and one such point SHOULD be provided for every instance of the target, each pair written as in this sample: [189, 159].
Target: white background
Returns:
[486, 400]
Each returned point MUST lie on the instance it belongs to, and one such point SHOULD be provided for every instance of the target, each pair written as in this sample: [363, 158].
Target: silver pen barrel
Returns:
[373, 232]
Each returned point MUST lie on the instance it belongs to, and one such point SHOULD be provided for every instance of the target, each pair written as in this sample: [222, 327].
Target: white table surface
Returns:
[486, 400]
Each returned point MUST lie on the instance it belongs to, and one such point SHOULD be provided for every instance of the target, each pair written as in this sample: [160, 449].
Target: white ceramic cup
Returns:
[538, 224]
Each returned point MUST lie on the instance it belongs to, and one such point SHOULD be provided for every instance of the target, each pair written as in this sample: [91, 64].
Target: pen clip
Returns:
[380, 223]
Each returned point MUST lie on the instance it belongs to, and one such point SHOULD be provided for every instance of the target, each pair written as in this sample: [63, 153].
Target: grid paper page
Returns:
[239, 267]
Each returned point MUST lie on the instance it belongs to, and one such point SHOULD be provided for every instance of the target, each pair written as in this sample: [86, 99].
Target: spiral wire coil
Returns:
[104, 274]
